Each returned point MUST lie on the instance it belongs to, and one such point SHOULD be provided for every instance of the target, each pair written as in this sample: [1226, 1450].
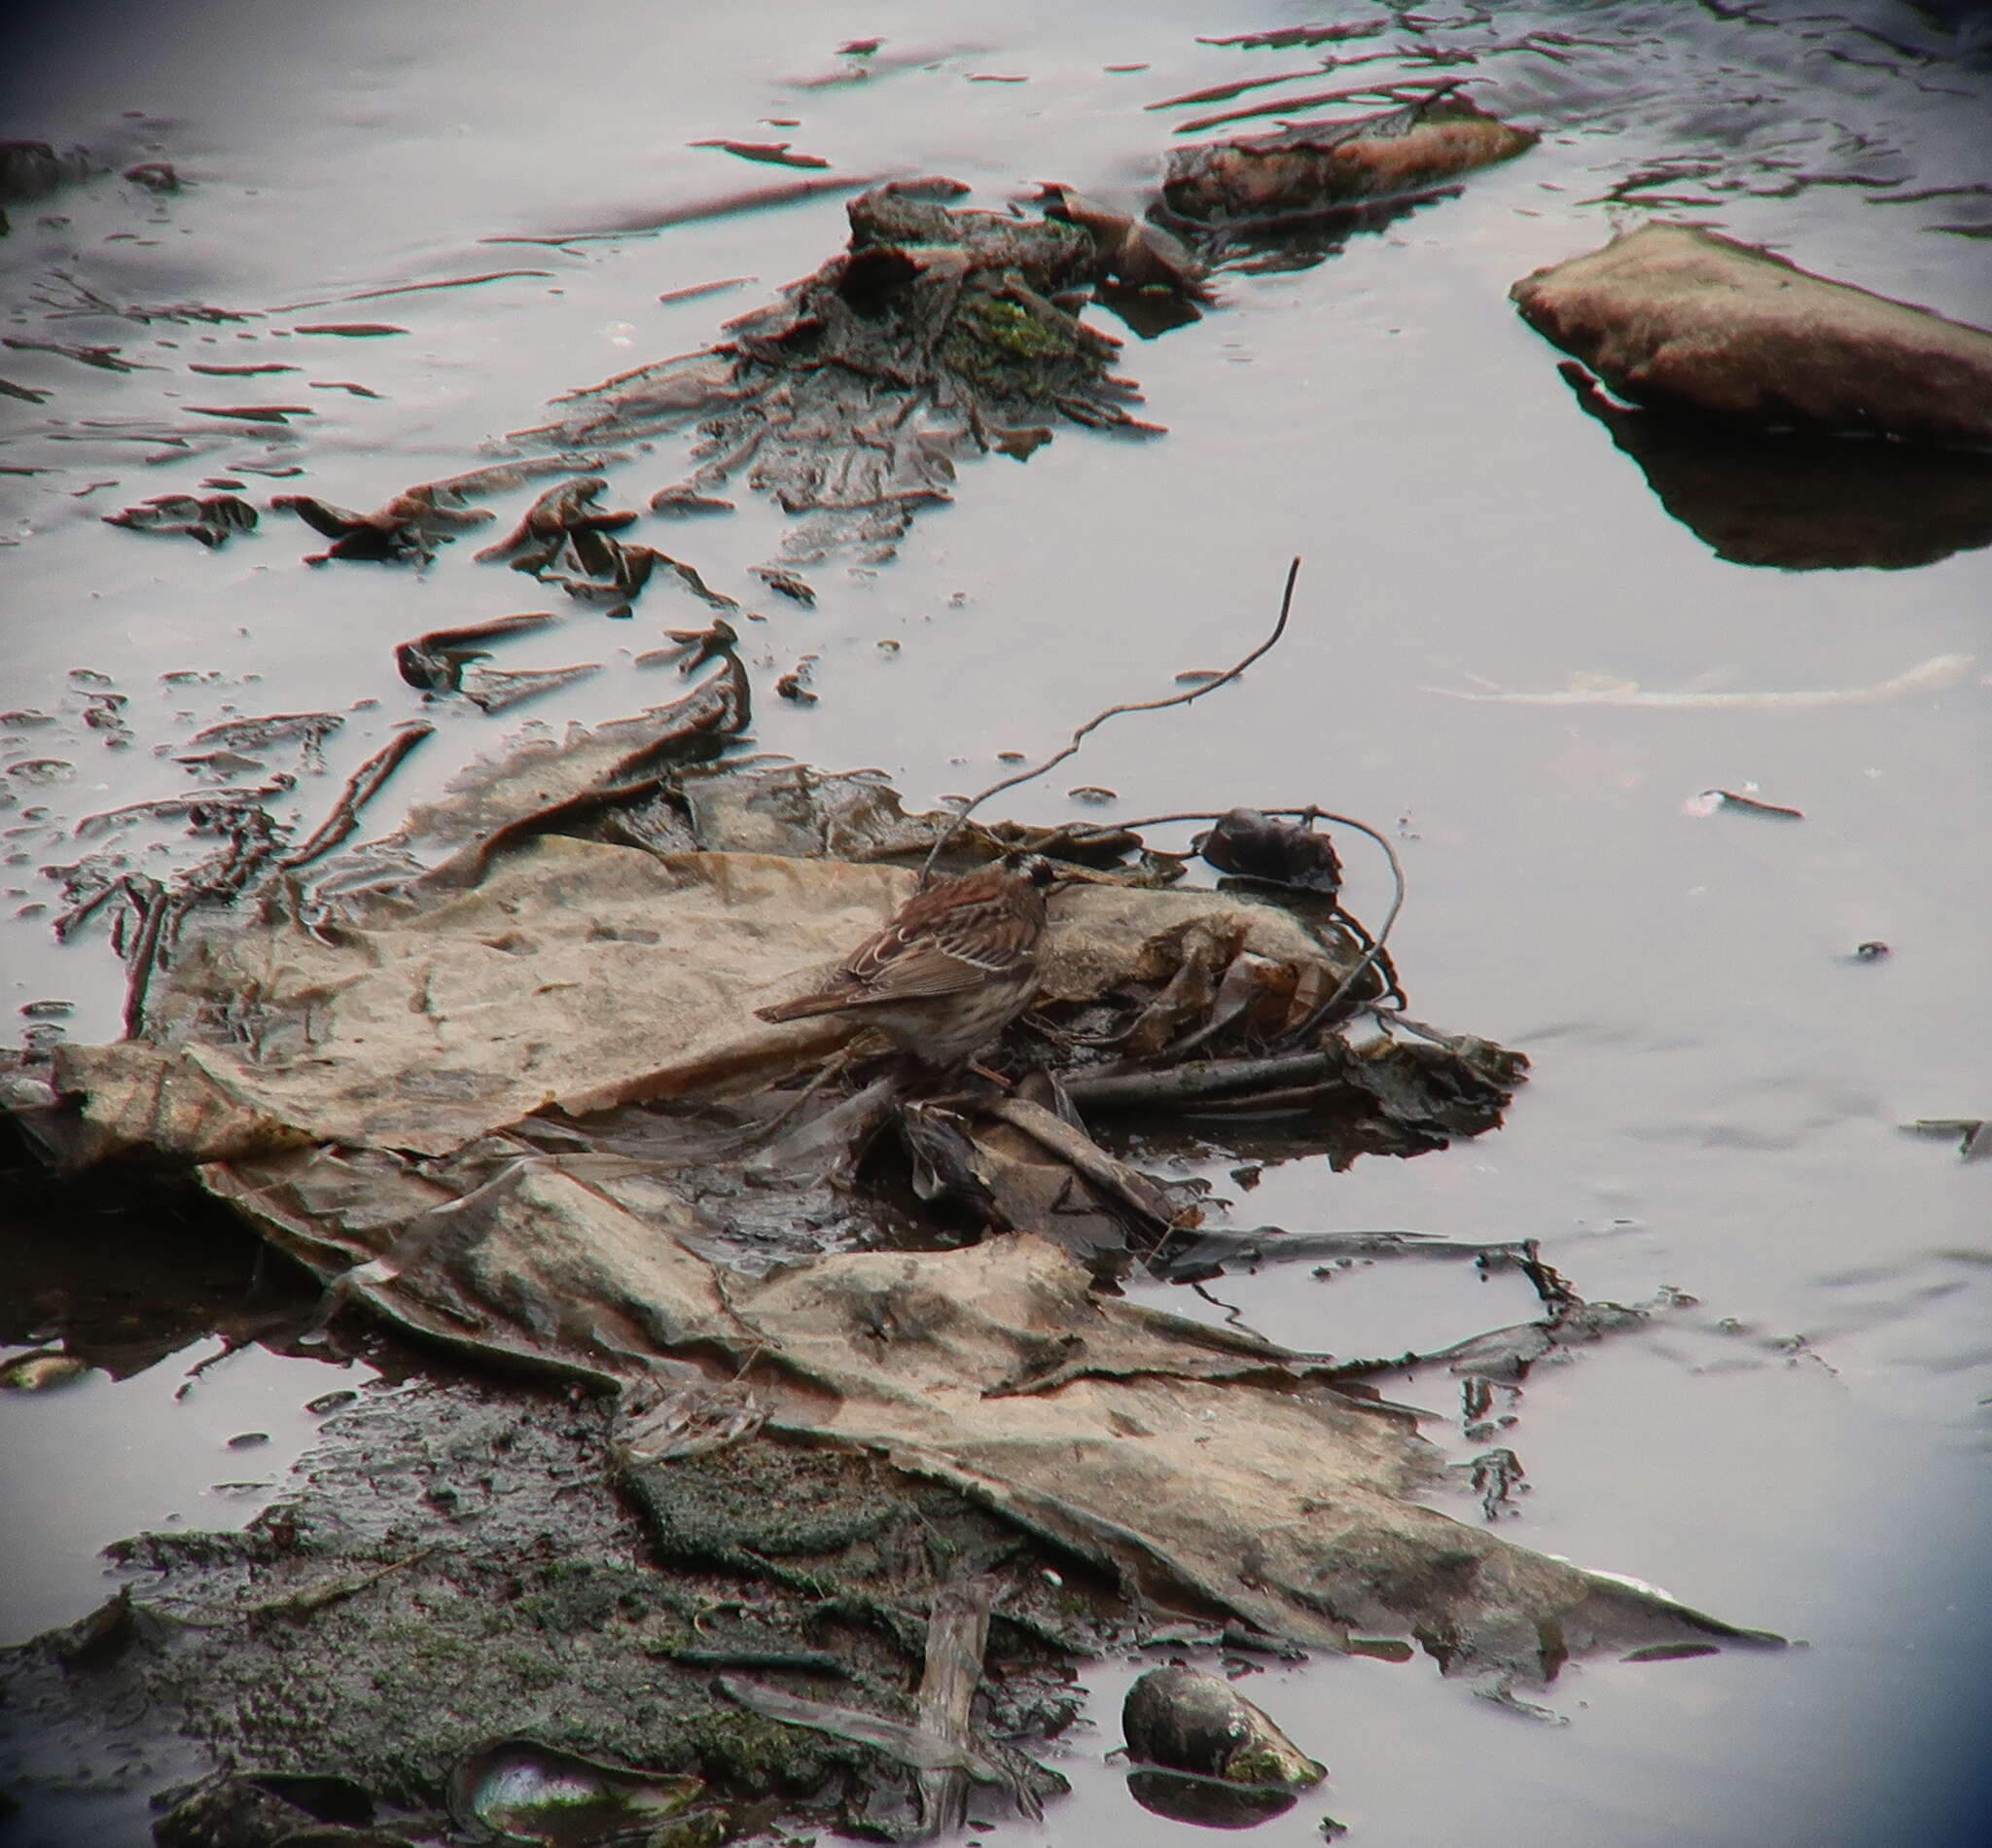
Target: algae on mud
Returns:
[461, 1566]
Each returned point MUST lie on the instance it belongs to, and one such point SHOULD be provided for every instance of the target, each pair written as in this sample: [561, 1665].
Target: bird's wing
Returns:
[941, 946]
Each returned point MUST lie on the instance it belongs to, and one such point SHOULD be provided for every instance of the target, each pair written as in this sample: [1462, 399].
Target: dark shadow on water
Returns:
[1801, 503]
[123, 1271]
[1292, 241]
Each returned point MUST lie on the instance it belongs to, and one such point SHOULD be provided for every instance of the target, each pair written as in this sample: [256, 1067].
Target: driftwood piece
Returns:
[957, 1634]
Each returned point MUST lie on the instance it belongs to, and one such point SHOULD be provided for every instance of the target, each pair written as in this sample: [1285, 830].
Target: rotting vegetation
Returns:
[842, 1345]
[845, 1397]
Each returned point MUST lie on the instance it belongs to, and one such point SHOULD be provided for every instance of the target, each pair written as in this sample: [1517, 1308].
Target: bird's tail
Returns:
[803, 1007]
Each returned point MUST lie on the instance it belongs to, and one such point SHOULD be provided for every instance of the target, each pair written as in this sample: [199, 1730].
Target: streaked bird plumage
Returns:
[953, 968]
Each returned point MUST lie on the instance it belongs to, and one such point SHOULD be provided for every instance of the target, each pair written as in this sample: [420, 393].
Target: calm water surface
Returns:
[1718, 1089]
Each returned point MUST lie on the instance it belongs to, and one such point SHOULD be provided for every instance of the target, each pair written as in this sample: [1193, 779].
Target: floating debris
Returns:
[213, 520]
[1259, 847]
[407, 527]
[1712, 800]
[435, 662]
[773, 153]
[1973, 1134]
[41, 1372]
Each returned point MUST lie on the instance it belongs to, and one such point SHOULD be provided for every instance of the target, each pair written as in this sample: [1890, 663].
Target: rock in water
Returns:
[1678, 317]
[1186, 1720]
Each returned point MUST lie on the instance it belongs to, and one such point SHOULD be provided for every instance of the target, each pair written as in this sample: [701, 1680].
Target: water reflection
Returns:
[1469, 522]
[1801, 503]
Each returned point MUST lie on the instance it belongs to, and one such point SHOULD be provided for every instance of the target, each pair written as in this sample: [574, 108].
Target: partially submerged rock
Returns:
[1676, 317]
[1324, 166]
[1188, 1720]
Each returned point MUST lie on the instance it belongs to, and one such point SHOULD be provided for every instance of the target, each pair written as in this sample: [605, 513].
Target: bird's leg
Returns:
[760, 1132]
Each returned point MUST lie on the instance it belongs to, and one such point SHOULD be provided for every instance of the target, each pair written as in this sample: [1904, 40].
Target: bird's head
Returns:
[1035, 867]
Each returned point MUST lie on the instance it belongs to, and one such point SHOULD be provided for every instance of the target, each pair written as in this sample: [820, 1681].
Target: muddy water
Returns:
[1717, 1088]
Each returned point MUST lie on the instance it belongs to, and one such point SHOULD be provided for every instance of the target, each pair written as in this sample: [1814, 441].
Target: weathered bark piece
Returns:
[957, 1634]
[1314, 167]
[1674, 317]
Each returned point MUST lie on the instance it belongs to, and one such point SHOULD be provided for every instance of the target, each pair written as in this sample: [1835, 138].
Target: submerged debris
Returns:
[937, 333]
[1286, 37]
[212, 520]
[1596, 689]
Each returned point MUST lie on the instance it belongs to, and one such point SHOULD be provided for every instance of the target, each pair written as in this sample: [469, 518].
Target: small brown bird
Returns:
[951, 970]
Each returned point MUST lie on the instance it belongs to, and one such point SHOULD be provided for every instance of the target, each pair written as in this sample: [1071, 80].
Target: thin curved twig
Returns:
[1368, 960]
[1099, 719]
[1308, 813]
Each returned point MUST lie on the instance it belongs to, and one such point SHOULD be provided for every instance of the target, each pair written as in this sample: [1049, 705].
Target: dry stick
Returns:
[957, 1634]
[1085, 1157]
[363, 785]
[1099, 719]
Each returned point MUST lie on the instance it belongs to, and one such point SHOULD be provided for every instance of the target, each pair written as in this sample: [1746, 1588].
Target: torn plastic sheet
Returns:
[1208, 1469]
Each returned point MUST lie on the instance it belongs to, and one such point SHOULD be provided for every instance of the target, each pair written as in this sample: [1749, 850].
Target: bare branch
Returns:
[1099, 719]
